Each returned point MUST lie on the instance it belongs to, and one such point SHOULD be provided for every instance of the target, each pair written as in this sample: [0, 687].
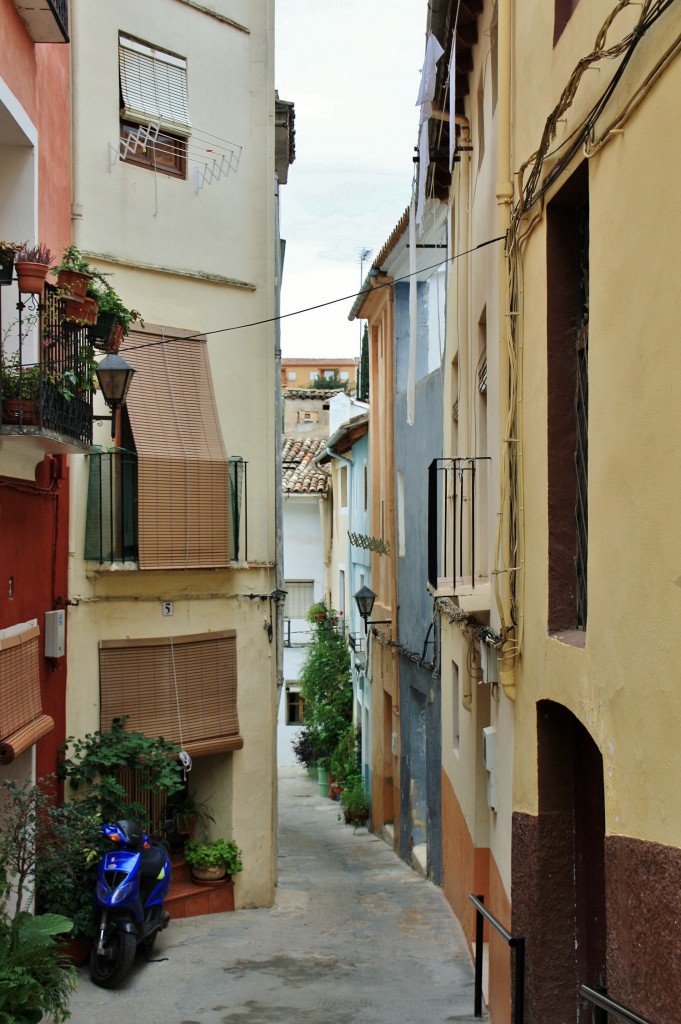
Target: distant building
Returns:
[302, 373]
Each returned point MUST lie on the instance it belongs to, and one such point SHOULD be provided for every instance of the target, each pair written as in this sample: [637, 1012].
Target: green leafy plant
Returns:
[73, 259]
[333, 383]
[35, 977]
[98, 758]
[20, 381]
[326, 687]
[189, 815]
[109, 301]
[214, 853]
[345, 763]
[70, 844]
[354, 800]
[34, 254]
[306, 747]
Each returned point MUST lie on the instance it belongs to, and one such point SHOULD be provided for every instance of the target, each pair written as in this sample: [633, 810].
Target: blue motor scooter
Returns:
[132, 882]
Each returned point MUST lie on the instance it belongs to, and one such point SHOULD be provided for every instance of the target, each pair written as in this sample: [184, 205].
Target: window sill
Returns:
[570, 637]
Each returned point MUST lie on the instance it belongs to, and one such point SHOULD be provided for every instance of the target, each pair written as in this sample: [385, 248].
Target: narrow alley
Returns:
[354, 936]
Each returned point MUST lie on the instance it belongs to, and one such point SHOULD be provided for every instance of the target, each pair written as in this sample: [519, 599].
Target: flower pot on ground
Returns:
[8, 251]
[216, 859]
[33, 264]
[354, 802]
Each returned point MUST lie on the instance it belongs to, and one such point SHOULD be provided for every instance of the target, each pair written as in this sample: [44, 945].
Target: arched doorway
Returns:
[571, 901]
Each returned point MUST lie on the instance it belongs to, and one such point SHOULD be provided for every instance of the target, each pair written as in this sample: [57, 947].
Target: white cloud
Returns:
[353, 71]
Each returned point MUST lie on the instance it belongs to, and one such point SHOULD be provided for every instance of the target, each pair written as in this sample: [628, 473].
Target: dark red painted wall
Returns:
[34, 555]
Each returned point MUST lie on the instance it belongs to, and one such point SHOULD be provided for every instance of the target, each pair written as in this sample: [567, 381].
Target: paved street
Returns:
[354, 936]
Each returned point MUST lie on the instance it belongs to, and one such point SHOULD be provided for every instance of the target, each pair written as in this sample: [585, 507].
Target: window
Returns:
[564, 9]
[314, 376]
[295, 706]
[154, 104]
[344, 375]
[329, 374]
[185, 507]
[22, 722]
[174, 686]
[567, 389]
[344, 487]
[292, 375]
[299, 598]
[365, 488]
[456, 700]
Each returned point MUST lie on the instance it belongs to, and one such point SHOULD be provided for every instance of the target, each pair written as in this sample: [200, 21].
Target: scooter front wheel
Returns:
[108, 969]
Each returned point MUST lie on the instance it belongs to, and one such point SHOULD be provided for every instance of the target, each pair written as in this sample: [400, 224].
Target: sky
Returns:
[352, 70]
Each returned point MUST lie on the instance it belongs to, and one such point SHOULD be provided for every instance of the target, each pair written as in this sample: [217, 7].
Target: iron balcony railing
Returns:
[54, 393]
[456, 519]
[111, 524]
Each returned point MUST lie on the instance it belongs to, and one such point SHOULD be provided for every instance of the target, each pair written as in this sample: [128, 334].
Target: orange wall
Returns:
[467, 870]
[39, 78]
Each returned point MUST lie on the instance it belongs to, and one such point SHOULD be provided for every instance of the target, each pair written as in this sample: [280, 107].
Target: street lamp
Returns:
[365, 598]
[114, 376]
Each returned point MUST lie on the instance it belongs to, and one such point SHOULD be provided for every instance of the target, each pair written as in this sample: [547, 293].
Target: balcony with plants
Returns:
[50, 338]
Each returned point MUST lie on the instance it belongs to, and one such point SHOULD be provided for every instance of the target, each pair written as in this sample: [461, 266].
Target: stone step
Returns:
[190, 899]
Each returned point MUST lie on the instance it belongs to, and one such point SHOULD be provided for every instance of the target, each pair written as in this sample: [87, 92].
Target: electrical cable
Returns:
[320, 305]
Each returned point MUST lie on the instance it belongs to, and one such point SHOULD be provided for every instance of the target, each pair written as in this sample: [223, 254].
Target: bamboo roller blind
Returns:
[22, 722]
[138, 678]
[183, 468]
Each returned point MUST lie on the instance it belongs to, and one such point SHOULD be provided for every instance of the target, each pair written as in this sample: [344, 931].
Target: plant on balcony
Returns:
[112, 311]
[74, 273]
[33, 263]
[214, 859]
[8, 251]
[20, 391]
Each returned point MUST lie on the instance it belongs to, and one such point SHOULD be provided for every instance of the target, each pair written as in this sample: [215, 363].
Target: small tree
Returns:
[326, 686]
[363, 383]
[332, 383]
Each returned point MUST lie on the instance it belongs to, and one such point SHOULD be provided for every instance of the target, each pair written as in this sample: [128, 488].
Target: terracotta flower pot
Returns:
[20, 412]
[217, 873]
[73, 282]
[31, 276]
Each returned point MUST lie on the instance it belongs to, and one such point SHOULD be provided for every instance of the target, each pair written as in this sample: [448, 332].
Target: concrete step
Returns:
[191, 899]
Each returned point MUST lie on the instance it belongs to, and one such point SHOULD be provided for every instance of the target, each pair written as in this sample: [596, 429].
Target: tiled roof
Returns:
[318, 394]
[300, 474]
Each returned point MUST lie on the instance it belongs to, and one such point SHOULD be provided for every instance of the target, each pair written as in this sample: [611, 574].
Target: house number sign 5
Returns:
[168, 608]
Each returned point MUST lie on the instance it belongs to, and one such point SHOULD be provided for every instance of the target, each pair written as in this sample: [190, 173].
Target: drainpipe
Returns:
[76, 207]
[504, 193]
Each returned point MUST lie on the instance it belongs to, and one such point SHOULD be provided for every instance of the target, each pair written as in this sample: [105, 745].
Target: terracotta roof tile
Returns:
[300, 474]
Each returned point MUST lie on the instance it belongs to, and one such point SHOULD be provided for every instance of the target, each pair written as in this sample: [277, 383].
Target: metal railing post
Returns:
[479, 959]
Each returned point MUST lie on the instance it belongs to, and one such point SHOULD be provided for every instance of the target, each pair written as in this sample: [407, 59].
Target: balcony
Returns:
[46, 20]
[112, 524]
[46, 383]
[458, 559]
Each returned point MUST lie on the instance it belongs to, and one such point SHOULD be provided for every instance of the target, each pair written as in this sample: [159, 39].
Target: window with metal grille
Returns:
[299, 598]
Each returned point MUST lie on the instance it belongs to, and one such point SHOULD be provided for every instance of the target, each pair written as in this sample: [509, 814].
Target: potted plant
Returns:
[188, 816]
[20, 391]
[354, 801]
[317, 612]
[213, 860]
[8, 251]
[74, 273]
[114, 318]
[33, 263]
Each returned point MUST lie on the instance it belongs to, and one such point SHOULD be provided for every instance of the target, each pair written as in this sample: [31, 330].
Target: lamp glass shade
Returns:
[114, 376]
[365, 598]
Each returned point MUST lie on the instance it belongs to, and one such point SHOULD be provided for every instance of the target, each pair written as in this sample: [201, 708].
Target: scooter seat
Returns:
[152, 862]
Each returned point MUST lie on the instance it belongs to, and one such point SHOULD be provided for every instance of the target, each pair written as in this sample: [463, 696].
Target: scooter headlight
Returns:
[122, 892]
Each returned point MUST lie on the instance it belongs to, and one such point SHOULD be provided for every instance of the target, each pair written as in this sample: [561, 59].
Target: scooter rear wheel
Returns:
[108, 970]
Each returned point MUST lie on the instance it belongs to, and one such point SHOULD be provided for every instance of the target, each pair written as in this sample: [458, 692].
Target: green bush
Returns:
[326, 687]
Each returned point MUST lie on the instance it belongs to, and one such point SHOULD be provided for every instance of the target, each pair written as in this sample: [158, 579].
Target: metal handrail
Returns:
[606, 1006]
[515, 942]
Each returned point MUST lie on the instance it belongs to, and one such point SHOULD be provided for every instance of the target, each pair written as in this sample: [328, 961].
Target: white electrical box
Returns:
[489, 747]
[489, 756]
[55, 630]
[489, 663]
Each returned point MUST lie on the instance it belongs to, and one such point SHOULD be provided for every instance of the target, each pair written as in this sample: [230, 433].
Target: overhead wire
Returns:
[320, 305]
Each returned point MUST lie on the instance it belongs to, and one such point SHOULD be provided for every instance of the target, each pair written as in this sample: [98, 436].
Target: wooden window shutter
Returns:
[182, 688]
[183, 469]
[22, 722]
